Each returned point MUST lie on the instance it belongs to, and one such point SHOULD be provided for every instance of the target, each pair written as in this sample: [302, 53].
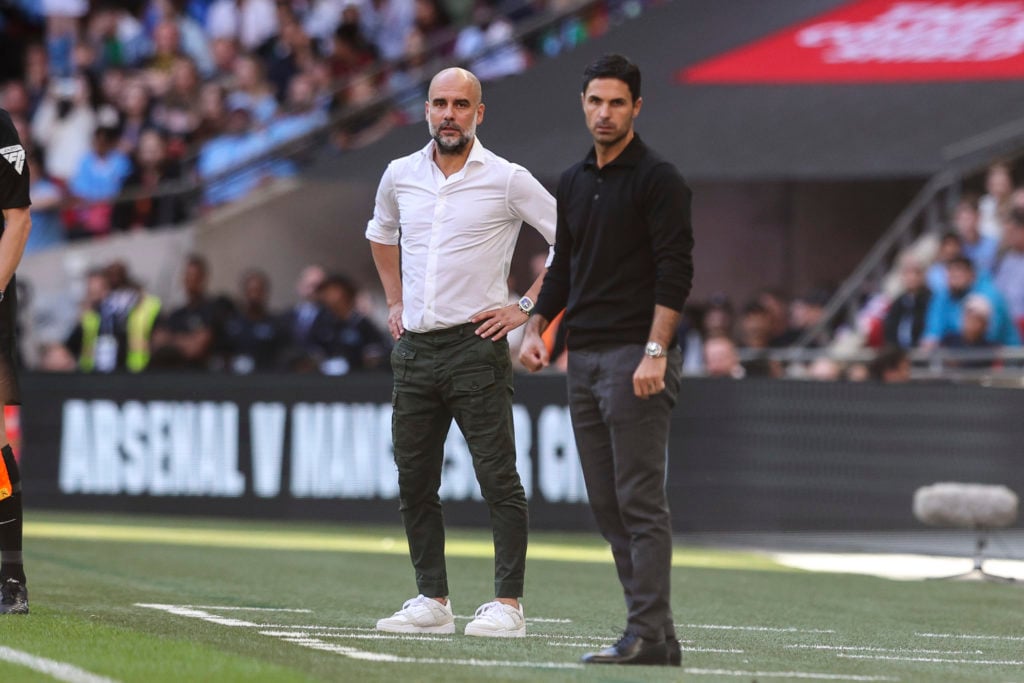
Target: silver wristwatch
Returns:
[654, 350]
[526, 305]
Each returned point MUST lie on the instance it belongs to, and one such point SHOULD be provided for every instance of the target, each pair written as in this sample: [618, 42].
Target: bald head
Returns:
[456, 77]
[453, 111]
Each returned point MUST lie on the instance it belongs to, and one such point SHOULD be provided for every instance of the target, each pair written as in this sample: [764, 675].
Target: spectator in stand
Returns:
[186, 338]
[721, 358]
[225, 52]
[406, 82]
[1009, 270]
[252, 91]
[373, 121]
[488, 44]
[96, 184]
[945, 312]
[301, 114]
[251, 22]
[433, 21]
[890, 366]
[756, 335]
[178, 112]
[133, 104]
[776, 306]
[115, 36]
[386, 24]
[47, 199]
[719, 319]
[996, 202]
[221, 155]
[806, 312]
[300, 319]
[115, 336]
[287, 55]
[346, 339]
[37, 76]
[950, 247]
[63, 126]
[148, 205]
[97, 288]
[194, 42]
[167, 50]
[905, 319]
[976, 313]
[14, 98]
[981, 249]
[254, 338]
[213, 114]
[352, 55]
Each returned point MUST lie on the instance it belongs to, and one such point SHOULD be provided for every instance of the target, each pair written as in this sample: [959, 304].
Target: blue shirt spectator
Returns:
[103, 169]
[945, 312]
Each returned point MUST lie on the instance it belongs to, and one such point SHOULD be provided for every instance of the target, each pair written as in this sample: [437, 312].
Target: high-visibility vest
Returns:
[140, 325]
[90, 323]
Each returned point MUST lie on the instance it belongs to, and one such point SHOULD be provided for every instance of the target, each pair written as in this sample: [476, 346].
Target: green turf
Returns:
[88, 572]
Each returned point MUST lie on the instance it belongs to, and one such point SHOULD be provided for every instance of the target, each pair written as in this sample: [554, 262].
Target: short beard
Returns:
[444, 146]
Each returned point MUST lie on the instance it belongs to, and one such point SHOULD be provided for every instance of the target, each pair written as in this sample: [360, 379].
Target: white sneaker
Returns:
[498, 620]
[420, 615]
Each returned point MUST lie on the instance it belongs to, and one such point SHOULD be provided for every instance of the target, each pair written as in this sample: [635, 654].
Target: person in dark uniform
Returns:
[622, 269]
[14, 229]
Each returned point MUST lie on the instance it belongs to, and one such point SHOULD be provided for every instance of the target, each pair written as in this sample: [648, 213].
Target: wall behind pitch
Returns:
[751, 455]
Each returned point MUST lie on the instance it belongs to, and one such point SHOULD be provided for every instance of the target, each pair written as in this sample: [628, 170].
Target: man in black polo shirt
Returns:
[622, 270]
[15, 224]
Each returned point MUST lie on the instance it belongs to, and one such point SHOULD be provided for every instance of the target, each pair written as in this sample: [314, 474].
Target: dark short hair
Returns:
[961, 261]
[951, 236]
[1016, 217]
[614, 66]
[340, 281]
[197, 261]
[889, 358]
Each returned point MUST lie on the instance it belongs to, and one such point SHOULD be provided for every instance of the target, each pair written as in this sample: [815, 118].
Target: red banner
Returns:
[876, 41]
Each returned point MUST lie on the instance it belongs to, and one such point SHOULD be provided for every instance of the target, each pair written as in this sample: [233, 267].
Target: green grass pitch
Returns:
[149, 599]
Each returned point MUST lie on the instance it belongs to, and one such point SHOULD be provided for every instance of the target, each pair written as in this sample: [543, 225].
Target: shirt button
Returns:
[596, 196]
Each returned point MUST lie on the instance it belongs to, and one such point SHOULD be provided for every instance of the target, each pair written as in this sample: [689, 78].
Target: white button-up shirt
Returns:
[457, 234]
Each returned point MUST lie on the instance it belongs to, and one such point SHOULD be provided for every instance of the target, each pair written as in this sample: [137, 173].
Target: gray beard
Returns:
[446, 147]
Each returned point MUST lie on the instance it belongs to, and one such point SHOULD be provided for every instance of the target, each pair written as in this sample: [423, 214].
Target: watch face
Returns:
[526, 304]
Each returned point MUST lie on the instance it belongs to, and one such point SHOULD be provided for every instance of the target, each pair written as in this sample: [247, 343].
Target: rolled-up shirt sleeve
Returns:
[384, 227]
[531, 203]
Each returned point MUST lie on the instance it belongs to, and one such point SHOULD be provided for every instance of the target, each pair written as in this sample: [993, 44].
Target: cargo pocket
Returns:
[473, 380]
[401, 360]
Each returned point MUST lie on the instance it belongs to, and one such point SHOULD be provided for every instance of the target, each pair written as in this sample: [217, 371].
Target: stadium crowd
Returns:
[130, 105]
[960, 290]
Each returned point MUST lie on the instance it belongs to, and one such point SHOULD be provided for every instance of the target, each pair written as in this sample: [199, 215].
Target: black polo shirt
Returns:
[14, 179]
[624, 243]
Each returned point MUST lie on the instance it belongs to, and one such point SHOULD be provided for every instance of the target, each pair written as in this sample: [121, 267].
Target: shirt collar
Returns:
[629, 157]
[477, 153]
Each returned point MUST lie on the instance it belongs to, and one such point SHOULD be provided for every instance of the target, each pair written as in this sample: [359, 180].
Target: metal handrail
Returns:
[963, 158]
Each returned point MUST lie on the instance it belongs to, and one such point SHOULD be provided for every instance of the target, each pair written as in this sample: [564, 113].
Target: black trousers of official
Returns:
[623, 446]
[439, 376]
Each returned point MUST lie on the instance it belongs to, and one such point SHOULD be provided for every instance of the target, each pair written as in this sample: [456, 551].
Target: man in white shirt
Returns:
[450, 214]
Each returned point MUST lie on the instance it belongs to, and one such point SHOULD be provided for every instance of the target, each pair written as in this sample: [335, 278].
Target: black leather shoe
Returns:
[675, 652]
[631, 649]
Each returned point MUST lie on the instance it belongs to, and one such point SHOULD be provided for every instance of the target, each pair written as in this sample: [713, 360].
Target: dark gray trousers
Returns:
[623, 446]
[455, 374]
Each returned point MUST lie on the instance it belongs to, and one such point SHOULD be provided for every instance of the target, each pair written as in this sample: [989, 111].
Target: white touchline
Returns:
[945, 660]
[852, 648]
[536, 620]
[250, 609]
[357, 636]
[772, 629]
[182, 611]
[352, 652]
[62, 671]
[968, 636]
[787, 674]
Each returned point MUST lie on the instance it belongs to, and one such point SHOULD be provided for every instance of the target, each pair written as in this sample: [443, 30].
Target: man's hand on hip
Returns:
[498, 322]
